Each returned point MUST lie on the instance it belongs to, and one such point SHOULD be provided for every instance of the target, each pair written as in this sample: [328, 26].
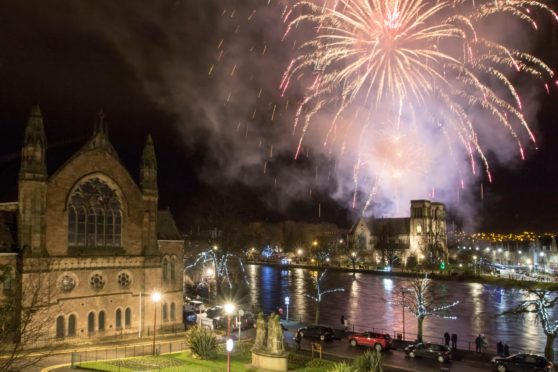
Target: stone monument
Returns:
[269, 351]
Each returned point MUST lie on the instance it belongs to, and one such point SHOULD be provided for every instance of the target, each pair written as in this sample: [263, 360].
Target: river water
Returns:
[367, 304]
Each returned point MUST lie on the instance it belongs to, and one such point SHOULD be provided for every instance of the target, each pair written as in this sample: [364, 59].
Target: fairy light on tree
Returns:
[424, 301]
[320, 292]
[540, 301]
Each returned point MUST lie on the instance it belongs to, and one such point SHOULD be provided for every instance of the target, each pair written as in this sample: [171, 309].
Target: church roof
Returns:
[392, 226]
[166, 227]
[8, 232]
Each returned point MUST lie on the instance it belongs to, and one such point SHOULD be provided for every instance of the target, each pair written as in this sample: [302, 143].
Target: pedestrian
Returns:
[447, 338]
[346, 324]
[342, 320]
[478, 344]
[297, 339]
[454, 341]
[506, 350]
[484, 344]
[280, 311]
[500, 348]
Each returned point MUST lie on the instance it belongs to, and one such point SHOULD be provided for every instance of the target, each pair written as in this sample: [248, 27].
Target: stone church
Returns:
[422, 236]
[93, 239]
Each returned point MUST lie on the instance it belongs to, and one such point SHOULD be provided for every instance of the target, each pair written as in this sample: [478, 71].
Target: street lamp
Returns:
[287, 302]
[229, 346]
[229, 309]
[403, 290]
[155, 297]
[475, 264]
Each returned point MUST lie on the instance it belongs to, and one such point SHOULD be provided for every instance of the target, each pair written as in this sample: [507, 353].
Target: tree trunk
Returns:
[353, 267]
[420, 319]
[549, 347]
[317, 319]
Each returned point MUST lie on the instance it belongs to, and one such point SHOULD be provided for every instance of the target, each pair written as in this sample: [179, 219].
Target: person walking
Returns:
[343, 320]
[506, 350]
[484, 344]
[446, 338]
[346, 324]
[454, 341]
[280, 311]
[478, 344]
[500, 348]
[298, 340]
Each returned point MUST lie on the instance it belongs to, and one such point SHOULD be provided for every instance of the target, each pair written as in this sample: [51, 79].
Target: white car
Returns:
[195, 306]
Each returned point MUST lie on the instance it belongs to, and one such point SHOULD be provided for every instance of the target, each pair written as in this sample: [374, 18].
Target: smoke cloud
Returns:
[217, 65]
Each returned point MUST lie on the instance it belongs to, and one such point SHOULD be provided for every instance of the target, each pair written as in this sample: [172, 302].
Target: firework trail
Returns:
[387, 54]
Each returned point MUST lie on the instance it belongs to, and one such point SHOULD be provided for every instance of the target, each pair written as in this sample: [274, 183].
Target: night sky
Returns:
[75, 57]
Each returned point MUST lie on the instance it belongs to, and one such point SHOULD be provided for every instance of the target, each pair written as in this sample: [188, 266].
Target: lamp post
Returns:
[475, 264]
[155, 297]
[229, 345]
[229, 309]
[287, 301]
[403, 290]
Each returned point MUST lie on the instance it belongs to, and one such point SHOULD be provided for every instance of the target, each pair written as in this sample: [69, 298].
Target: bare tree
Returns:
[320, 292]
[540, 301]
[353, 248]
[389, 245]
[423, 301]
[24, 318]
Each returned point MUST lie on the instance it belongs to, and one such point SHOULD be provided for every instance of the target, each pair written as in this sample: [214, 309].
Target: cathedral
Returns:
[420, 237]
[91, 242]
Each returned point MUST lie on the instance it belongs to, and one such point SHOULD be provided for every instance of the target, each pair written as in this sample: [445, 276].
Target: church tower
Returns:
[32, 186]
[150, 196]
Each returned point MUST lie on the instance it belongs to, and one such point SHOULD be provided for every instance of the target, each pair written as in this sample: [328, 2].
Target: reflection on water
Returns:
[369, 302]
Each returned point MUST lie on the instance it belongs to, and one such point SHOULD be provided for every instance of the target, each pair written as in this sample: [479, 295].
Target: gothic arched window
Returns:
[118, 318]
[72, 325]
[91, 323]
[173, 269]
[165, 313]
[165, 269]
[128, 317]
[60, 327]
[173, 312]
[101, 320]
[94, 216]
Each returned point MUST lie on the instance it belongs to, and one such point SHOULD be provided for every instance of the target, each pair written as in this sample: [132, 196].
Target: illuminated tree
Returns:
[540, 301]
[422, 300]
[320, 292]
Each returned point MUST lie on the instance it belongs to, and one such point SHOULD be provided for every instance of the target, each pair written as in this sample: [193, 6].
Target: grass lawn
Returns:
[184, 362]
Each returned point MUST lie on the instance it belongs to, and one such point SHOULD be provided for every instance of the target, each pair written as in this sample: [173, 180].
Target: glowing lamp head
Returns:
[299, 252]
[229, 308]
[156, 296]
[475, 258]
[353, 254]
[209, 272]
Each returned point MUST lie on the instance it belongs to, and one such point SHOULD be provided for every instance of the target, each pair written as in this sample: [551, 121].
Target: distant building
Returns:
[92, 239]
[422, 236]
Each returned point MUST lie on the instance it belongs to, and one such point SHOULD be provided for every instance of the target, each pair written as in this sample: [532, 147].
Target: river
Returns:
[367, 304]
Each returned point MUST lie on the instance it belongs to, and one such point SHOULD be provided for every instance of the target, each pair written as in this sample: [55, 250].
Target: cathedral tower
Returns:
[32, 186]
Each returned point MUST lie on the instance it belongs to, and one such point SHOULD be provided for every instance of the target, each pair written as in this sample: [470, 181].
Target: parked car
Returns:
[522, 362]
[195, 306]
[216, 318]
[441, 353]
[317, 331]
[371, 339]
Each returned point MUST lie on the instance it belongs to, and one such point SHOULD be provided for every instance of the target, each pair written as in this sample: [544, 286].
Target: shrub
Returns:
[297, 361]
[342, 367]
[318, 363]
[202, 342]
[371, 361]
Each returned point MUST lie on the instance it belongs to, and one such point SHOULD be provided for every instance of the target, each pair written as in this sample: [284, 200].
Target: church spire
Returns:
[100, 133]
[148, 166]
[33, 158]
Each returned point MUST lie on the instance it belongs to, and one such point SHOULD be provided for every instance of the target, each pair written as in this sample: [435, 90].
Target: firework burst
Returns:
[380, 54]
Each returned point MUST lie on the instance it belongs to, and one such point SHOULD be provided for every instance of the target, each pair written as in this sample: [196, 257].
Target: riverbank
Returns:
[449, 276]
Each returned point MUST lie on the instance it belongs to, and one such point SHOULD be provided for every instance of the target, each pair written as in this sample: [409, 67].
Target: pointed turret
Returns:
[32, 187]
[150, 196]
[148, 166]
[100, 132]
[33, 159]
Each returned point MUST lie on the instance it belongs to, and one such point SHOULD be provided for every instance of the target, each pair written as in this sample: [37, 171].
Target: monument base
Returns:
[272, 362]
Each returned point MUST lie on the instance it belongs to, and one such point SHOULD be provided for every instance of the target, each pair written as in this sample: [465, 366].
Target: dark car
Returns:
[522, 362]
[317, 331]
[441, 353]
[371, 339]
